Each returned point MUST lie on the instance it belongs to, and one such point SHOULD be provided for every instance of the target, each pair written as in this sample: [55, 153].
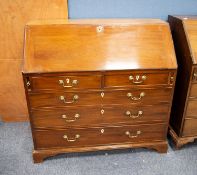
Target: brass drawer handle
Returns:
[68, 82]
[137, 79]
[195, 76]
[72, 139]
[133, 135]
[75, 98]
[130, 95]
[128, 113]
[70, 120]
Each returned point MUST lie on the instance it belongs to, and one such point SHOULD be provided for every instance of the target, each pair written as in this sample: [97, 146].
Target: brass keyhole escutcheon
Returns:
[102, 131]
[100, 29]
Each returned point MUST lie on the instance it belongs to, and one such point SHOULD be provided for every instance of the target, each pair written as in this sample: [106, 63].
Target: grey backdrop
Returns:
[130, 8]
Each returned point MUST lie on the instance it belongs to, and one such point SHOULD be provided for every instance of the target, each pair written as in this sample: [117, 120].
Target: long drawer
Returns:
[87, 116]
[139, 96]
[98, 136]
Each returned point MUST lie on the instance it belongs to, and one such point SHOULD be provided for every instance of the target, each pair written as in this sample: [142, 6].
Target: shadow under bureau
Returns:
[98, 84]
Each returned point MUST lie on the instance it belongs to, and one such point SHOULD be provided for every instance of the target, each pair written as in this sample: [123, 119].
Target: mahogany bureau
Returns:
[98, 84]
[184, 111]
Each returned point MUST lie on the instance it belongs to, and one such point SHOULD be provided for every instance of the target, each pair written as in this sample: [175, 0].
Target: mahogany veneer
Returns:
[98, 84]
[184, 112]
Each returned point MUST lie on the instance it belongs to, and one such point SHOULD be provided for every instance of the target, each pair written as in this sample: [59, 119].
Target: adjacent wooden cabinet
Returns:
[184, 110]
[98, 84]
[13, 17]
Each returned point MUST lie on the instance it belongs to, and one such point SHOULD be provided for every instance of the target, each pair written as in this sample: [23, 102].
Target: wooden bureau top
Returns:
[190, 25]
[190, 29]
[97, 45]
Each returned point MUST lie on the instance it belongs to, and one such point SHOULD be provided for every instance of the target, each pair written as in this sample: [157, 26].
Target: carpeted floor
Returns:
[15, 159]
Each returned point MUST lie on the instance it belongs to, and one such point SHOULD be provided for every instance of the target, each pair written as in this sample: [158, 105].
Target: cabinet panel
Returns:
[12, 94]
[13, 17]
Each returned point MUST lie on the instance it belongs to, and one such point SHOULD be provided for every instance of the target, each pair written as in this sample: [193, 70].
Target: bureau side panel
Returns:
[183, 74]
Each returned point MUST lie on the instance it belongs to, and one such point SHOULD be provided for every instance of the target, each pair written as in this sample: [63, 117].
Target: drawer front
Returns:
[98, 136]
[140, 96]
[94, 81]
[64, 99]
[87, 116]
[191, 109]
[131, 79]
[193, 91]
[65, 82]
[190, 127]
[194, 78]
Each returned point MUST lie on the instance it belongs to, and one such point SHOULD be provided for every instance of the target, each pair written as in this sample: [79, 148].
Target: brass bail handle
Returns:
[195, 75]
[133, 135]
[69, 83]
[137, 79]
[77, 136]
[130, 96]
[75, 98]
[64, 116]
[128, 113]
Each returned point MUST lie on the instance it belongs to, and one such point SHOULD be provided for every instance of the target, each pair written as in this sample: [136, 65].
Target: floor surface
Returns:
[16, 159]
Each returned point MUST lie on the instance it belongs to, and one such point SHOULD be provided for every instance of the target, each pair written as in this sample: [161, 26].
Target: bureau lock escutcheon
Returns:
[100, 29]
[102, 131]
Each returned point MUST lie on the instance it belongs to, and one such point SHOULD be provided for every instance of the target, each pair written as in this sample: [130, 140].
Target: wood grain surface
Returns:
[100, 115]
[190, 26]
[121, 97]
[80, 46]
[14, 15]
[99, 136]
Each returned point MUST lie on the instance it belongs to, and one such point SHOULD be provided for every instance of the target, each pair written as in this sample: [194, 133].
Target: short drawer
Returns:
[190, 127]
[139, 78]
[65, 82]
[191, 109]
[193, 91]
[98, 136]
[87, 116]
[138, 96]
